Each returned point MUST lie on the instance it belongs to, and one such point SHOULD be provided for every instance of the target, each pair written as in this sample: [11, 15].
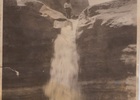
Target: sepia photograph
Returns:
[69, 50]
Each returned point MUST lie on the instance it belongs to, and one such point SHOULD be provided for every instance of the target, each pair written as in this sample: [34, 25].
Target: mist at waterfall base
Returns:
[63, 84]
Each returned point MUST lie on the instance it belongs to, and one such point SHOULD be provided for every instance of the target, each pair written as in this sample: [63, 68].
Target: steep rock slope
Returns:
[104, 31]
[106, 43]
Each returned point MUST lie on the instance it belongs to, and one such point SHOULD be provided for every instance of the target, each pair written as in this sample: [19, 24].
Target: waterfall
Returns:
[63, 84]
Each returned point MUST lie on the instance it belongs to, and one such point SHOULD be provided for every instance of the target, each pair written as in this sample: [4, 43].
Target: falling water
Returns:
[63, 84]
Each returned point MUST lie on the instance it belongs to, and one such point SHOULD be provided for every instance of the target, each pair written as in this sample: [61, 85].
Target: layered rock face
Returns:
[104, 31]
[27, 45]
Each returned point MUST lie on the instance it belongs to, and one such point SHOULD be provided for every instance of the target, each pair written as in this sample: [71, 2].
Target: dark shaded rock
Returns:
[10, 2]
[78, 5]
[102, 37]
[27, 46]
[107, 47]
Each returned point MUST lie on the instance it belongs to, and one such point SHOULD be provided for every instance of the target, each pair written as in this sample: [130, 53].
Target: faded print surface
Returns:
[91, 56]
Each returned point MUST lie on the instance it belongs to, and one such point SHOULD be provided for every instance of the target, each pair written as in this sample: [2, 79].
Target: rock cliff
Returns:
[104, 31]
[106, 43]
[27, 45]
[78, 5]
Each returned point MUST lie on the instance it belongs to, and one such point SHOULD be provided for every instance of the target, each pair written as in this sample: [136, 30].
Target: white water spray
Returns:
[63, 84]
